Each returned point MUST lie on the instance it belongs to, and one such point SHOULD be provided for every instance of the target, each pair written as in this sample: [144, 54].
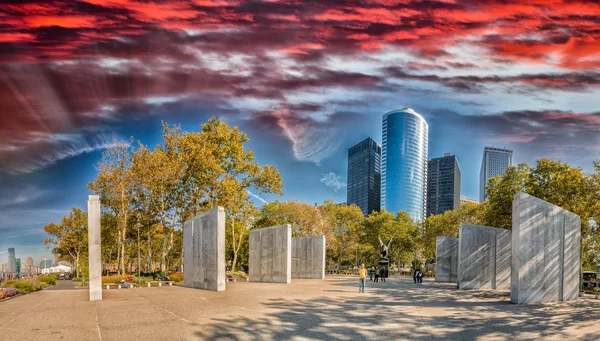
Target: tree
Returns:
[305, 219]
[346, 223]
[156, 176]
[448, 224]
[114, 184]
[70, 238]
[501, 191]
[400, 228]
[217, 170]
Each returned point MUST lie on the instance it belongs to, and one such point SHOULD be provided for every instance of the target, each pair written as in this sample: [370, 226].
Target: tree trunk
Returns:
[163, 256]
[149, 251]
[341, 254]
[233, 244]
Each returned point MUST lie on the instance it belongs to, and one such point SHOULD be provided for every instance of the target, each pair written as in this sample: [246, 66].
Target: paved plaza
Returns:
[303, 310]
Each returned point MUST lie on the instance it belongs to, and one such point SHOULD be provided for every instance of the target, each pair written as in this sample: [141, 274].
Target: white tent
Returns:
[57, 269]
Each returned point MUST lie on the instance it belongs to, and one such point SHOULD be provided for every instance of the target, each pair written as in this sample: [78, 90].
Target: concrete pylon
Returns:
[94, 248]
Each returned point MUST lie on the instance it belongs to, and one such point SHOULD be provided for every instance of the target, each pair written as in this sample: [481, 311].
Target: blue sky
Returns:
[305, 80]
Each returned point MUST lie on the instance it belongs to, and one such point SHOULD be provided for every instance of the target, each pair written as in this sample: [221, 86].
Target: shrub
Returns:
[48, 279]
[176, 277]
[25, 285]
[596, 289]
[236, 274]
[8, 292]
[113, 278]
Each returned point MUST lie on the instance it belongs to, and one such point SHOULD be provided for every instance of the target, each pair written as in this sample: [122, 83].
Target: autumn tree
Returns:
[217, 170]
[69, 238]
[346, 223]
[305, 219]
[114, 184]
[447, 224]
[156, 177]
[400, 228]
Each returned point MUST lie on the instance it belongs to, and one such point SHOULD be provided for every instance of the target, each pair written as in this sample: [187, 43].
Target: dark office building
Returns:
[443, 184]
[364, 176]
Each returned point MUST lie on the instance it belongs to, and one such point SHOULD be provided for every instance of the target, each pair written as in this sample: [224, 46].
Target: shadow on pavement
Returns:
[401, 310]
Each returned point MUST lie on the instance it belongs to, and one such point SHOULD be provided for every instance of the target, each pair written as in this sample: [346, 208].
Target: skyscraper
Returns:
[495, 162]
[404, 163]
[12, 264]
[364, 176]
[443, 184]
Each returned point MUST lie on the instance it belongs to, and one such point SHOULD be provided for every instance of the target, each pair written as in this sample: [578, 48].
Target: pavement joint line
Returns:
[28, 311]
[423, 322]
[97, 323]
[168, 311]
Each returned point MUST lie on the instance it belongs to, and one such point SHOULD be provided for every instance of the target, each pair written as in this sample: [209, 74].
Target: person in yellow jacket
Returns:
[362, 273]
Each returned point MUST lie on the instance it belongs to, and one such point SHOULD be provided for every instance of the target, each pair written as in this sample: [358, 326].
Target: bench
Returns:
[118, 286]
[159, 283]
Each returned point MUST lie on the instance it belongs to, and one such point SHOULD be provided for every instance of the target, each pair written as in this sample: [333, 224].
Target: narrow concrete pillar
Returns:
[94, 248]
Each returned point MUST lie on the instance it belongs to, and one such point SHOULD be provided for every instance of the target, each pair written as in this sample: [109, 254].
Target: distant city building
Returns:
[404, 163]
[28, 266]
[3, 267]
[12, 264]
[443, 184]
[495, 162]
[46, 263]
[464, 200]
[18, 263]
[364, 176]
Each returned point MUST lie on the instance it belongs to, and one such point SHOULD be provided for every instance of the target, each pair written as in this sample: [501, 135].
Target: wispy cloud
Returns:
[21, 196]
[51, 149]
[257, 197]
[334, 181]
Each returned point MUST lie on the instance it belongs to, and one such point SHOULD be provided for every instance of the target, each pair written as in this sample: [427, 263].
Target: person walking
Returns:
[382, 274]
[371, 274]
[415, 275]
[419, 277]
[362, 274]
[376, 275]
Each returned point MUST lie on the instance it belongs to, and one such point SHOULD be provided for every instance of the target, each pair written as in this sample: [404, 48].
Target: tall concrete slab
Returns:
[484, 257]
[446, 259]
[308, 257]
[546, 251]
[94, 248]
[270, 256]
[204, 251]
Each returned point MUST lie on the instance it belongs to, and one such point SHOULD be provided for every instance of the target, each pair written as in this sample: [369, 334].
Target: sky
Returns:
[305, 80]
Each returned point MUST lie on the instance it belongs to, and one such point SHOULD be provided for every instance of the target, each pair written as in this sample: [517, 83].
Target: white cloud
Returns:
[336, 182]
[257, 197]
[59, 147]
[21, 195]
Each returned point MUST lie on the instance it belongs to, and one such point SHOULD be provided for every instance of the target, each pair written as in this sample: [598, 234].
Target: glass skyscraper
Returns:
[364, 176]
[495, 162]
[443, 184]
[12, 262]
[404, 163]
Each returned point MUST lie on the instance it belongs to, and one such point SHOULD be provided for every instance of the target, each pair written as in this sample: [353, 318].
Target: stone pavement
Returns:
[304, 310]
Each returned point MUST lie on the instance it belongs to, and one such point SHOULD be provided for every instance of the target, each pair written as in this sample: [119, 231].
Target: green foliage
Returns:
[25, 285]
[69, 239]
[447, 224]
[400, 228]
[416, 264]
[48, 279]
[236, 274]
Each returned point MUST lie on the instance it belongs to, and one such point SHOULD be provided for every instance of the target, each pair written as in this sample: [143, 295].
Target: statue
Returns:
[384, 248]
[384, 259]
